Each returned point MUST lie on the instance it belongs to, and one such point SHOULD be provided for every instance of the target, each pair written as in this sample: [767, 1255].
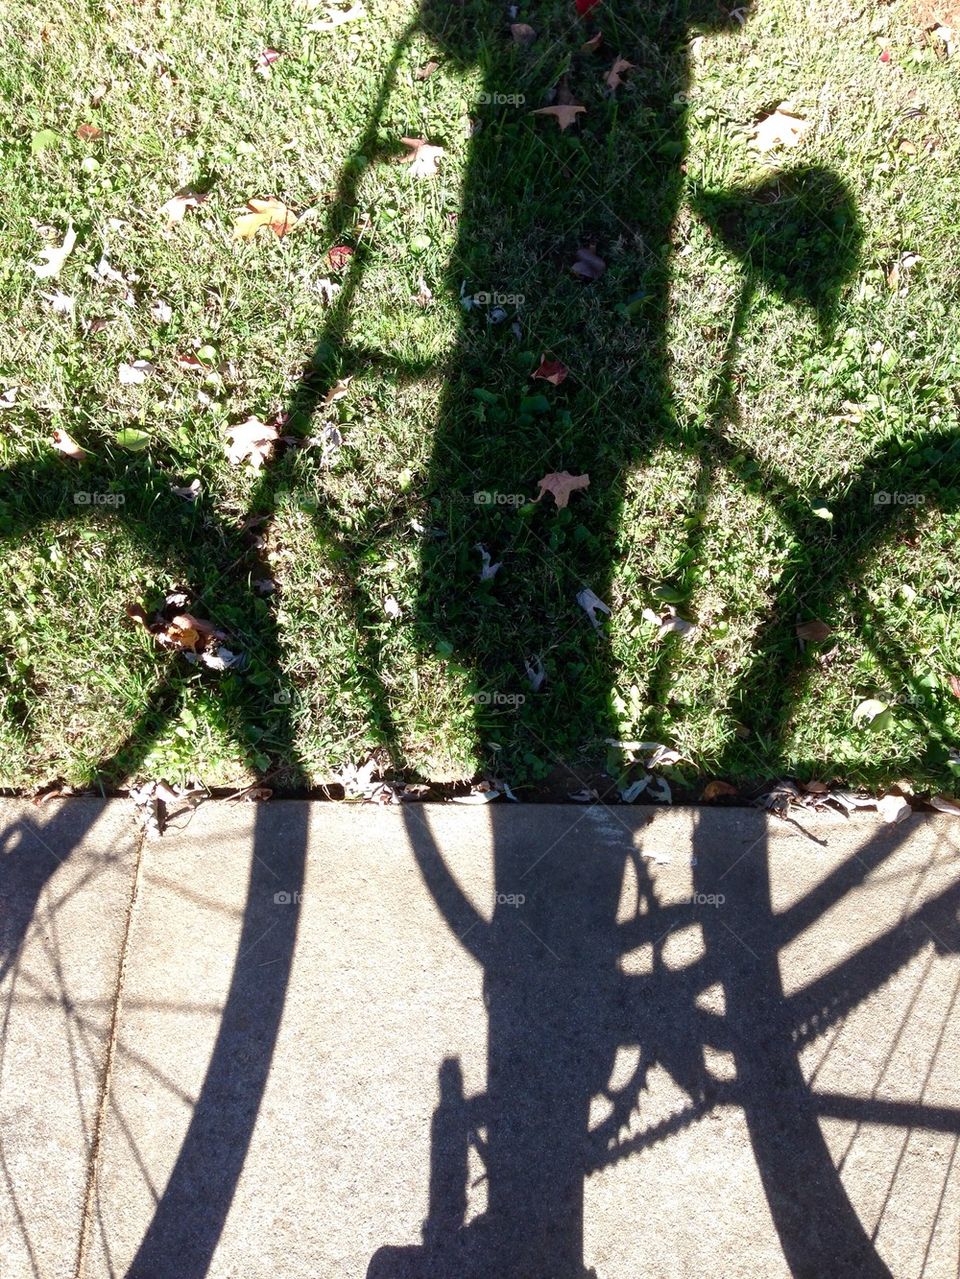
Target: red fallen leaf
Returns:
[190, 362]
[265, 60]
[339, 256]
[955, 685]
[885, 56]
[550, 371]
[584, 6]
[88, 132]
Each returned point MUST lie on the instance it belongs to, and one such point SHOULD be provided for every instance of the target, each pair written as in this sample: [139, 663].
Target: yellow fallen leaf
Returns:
[272, 213]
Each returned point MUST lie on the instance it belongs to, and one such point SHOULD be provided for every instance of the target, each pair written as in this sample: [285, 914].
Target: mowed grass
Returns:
[745, 368]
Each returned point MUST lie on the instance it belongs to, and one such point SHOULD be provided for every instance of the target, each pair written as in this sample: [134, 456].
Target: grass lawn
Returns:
[766, 348]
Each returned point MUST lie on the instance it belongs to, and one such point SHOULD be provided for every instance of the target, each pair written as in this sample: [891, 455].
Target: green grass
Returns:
[745, 307]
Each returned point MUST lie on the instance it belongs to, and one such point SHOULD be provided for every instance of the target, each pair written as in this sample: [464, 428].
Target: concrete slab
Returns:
[66, 881]
[532, 1042]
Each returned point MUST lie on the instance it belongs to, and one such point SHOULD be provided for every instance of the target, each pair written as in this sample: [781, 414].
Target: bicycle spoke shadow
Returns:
[723, 977]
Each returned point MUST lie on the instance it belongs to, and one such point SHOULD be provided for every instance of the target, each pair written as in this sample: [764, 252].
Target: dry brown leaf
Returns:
[522, 33]
[187, 622]
[337, 17]
[779, 128]
[338, 390]
[955, 685]
[561, 484]
[614, 78]
[272, 213]
[54, 259]
[588, 265]
[68, 446]
[565, 114]
[814, 632]
[550, 371]
[426, 71]
[251, 440]
[423, 157]
[89, 132]
[718, 790]
[176, 207]
[594, 43]
[893, 808]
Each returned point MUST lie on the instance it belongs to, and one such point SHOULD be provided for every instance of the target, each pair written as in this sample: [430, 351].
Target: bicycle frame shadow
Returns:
[193, 1207]
[582, 969]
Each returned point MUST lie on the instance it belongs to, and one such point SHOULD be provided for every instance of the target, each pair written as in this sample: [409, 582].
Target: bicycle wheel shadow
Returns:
[217, 561]
[628, 998]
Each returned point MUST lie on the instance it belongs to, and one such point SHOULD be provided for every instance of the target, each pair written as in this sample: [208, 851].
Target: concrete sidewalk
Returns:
[312, 1041]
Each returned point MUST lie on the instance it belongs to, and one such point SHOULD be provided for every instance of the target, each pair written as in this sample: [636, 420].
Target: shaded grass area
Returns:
[745, 361]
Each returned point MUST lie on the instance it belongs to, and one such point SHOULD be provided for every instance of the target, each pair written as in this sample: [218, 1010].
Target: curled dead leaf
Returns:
[339, 256]
[176, 207]
[588, 265]
[64, 443]
[718, 789]
[423, 158]
[522, 33]
[54, 259]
